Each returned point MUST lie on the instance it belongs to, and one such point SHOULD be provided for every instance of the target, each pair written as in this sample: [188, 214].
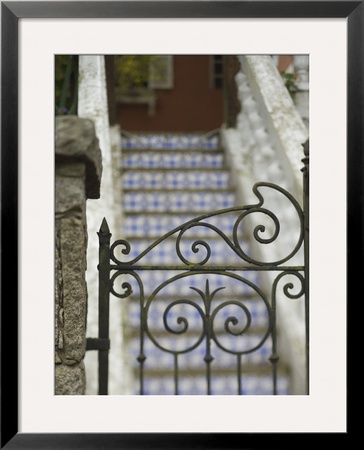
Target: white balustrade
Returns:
[267, 145]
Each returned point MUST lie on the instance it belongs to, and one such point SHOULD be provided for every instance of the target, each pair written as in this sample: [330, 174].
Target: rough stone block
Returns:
[70, 380]
[78, 176]
[74, 295]
[76, 141]
[70, 191]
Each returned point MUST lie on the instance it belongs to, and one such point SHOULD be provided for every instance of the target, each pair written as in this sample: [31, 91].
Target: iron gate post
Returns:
[104, 301]
[306, 243]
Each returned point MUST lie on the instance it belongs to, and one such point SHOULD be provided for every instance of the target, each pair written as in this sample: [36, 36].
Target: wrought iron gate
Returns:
[206, 299]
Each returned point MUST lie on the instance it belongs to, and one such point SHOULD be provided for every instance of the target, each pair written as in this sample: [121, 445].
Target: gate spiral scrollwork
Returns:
[218, 299]
[233, 242]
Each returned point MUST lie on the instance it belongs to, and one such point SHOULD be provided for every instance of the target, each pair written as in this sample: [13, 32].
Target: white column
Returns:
[93, 104]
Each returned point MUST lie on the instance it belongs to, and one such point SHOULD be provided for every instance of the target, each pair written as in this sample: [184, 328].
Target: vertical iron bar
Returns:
[208, 374]
[208, 357]
[274, 358]
[306, 207]
[104, 299]
[141, 358]
[175, 374]
[240, 391]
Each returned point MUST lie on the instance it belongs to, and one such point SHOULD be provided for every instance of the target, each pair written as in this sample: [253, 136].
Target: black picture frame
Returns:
[11, 12]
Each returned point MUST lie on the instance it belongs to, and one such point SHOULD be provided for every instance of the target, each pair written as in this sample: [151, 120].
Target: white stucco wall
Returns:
[92, 104]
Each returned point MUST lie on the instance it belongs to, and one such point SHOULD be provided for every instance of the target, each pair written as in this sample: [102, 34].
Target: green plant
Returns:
[289, 80]
[66, 84]
[133, 73]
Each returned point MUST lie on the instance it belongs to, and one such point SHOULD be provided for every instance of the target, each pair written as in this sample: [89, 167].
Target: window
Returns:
[217, 71]
[161, 73]
[138, 76]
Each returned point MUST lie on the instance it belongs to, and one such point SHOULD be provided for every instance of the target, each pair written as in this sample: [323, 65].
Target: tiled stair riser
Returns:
[171, 141]
[167, 181]
[155, 226]
[174, 179]
[177, 201]
[166, 251]
[170, 160]
[221, 385]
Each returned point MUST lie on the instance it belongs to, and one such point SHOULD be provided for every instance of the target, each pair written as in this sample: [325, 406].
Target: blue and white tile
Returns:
[175, 180]
[175, 202]
[177, 159]
[168, 141]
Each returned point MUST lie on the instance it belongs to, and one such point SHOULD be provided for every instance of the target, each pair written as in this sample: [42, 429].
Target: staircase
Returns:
[168, 180]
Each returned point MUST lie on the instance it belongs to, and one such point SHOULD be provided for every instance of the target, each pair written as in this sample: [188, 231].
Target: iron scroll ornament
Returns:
[234, 326]
[233, 243]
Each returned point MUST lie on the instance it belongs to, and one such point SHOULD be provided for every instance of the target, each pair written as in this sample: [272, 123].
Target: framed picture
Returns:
[32, 33]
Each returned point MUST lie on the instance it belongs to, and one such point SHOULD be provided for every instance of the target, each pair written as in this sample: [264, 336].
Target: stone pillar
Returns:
[78, 170]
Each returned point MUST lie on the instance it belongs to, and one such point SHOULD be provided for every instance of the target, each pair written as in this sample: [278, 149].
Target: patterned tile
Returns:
[176, 201]
[153, 160]
[178, 283]
[152, 211]
[169, 141]
[166, 251]
[175, 180]
[220, 385]
[157, 226]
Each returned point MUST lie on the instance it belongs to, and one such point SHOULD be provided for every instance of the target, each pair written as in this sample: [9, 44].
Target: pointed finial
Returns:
[104, 228]
[104, 232]
[306, 147]
[305, 160]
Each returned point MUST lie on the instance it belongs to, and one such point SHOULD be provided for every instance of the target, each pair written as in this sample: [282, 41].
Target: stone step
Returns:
[247, 298]
[165, 252]
[154, 225]
[192, 365]
[177, 179]
[196, 366]
[171, 151]
[256, 371]
[170, 141]
[220, 385]
[181, 202]
[225, 384]
[168, 181]
[182, 159]
[191, 351]
[179, 190]
[172, 284]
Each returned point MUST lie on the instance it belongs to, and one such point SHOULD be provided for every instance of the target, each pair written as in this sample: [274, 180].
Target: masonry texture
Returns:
[77, 178]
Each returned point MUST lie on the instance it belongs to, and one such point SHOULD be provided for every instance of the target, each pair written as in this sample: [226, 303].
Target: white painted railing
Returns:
[267, 145]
